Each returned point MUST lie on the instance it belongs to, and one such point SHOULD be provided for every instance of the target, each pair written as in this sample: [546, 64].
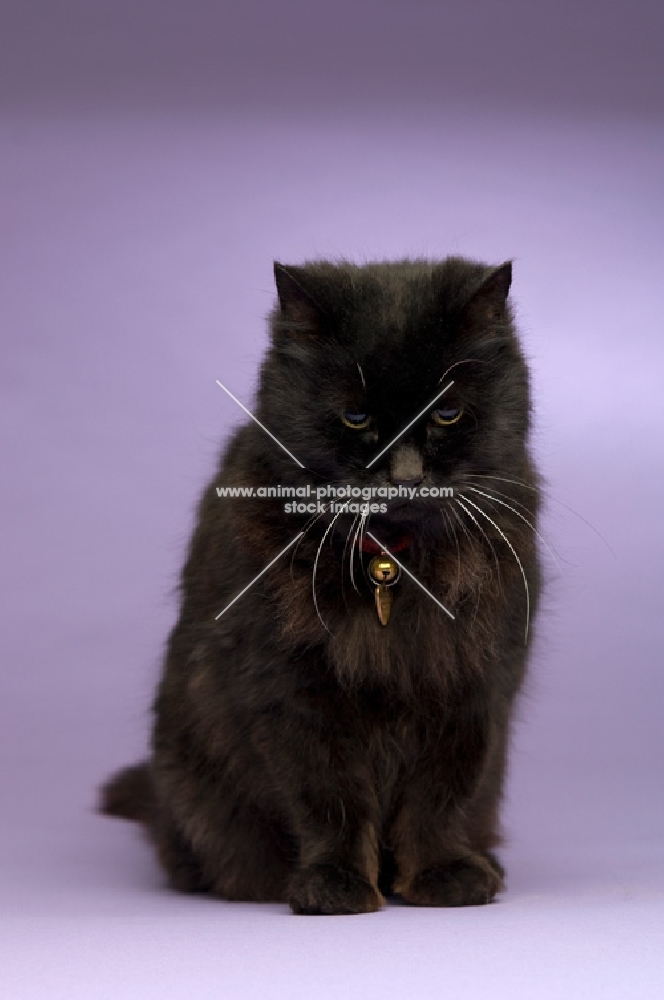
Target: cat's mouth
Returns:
[387, 534]
[394, 531]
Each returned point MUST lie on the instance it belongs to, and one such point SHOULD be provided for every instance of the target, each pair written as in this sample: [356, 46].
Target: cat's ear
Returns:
[488, 304]
[299, 312]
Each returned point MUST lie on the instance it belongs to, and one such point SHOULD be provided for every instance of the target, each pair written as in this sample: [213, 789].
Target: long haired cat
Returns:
[325, 735]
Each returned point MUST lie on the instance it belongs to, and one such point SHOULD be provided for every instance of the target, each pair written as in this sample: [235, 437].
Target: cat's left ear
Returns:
[488, 303]
[299, 311]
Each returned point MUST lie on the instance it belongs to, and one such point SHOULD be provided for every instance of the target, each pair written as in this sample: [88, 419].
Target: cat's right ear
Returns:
[489, 303]
[298, 313]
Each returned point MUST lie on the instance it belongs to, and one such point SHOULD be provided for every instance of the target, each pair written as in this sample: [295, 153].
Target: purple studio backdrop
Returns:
[154, 159]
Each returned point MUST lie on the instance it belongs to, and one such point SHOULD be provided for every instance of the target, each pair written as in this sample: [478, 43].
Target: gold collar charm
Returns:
[384, 573]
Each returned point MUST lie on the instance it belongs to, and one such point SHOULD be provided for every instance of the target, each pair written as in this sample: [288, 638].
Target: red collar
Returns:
[398, 545]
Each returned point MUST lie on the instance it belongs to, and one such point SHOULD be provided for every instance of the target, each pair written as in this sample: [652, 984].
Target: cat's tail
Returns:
[129, 794]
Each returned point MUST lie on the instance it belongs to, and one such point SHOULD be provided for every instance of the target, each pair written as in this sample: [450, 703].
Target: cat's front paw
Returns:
[469, 881]
[327, 889]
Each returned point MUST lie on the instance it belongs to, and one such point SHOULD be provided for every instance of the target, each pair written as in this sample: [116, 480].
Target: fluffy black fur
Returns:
[309, 754]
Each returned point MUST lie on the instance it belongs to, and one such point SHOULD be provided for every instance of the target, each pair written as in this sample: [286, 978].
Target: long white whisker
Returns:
[350, 530]
[363, 522]
[482, 532]
[457, 517]
[548, 495]
[513, 551]
[525, 519]
[448, 524]
[310, 523]
[313, 575]
[352, 553]
[363, 518]
[466, 361]
[365, 526]
[343, 555]
[507, 496]
[460, 520]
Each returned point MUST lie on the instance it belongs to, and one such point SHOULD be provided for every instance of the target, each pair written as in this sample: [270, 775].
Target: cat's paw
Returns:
[327, 889]
[470, 881]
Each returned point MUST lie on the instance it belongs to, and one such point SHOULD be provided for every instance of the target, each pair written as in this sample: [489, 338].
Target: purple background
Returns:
[154, 159]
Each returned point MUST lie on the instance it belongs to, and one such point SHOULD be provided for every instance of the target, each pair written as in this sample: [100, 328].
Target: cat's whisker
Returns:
[364, 527]
[448, 525]
[482, 532]
[498, 493]
[524, 519]
[366, 517]
[308, 526]
[466, 361]
[318, 552]
[461, 522]
[350, 556]
[359, 531]
[352, 553]
[549, 496]
[471, 542]
[504, 479]
[514, 553]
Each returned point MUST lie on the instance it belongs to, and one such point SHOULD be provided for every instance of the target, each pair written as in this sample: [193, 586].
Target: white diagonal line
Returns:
[413, 578]
[407, 427]
[262, 426]
[290, 544]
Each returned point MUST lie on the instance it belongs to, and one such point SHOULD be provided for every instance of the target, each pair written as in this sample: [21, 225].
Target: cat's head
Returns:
[360, 354]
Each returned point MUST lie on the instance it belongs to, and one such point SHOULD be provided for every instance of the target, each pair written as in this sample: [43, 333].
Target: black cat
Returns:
[314, 743]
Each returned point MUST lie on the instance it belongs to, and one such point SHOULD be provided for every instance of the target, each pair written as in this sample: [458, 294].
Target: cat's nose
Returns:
[406, 466]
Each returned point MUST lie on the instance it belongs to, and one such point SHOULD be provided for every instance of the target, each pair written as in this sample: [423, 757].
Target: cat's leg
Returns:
[339, 855]
[321, 856]
[223, 843]
[325, 781]
[178, 859]
[214, 828]
[337, 881]
[437, 865]
[438, 862]
[482, 811]
[253, 857]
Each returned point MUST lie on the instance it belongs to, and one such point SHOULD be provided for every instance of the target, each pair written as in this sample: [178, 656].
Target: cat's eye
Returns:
[446, 415]
[358, 421]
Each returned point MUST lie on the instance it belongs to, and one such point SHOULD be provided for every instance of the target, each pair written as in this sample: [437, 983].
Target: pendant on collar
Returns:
[384, 573]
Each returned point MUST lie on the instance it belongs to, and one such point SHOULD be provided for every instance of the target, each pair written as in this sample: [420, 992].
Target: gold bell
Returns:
[384, 573]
